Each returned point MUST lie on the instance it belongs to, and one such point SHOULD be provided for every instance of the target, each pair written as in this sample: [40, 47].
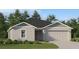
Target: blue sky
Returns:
[61, 14]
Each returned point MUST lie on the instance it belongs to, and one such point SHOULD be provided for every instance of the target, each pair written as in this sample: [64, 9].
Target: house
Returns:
[35, 30]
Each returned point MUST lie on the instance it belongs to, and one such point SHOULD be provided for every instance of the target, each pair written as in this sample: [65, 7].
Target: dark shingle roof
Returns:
[38, 23]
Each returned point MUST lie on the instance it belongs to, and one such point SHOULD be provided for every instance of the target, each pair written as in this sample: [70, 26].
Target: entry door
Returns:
[38, 35]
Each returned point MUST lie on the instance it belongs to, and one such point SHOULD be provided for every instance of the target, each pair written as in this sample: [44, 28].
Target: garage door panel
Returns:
[57, 35]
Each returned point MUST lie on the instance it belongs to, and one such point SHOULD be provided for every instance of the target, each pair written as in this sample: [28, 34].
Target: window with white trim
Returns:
[22, 33]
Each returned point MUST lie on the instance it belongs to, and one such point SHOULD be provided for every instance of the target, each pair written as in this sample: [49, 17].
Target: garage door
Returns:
[58, 35]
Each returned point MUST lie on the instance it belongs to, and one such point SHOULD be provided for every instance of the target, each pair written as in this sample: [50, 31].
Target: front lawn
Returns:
[29, 46]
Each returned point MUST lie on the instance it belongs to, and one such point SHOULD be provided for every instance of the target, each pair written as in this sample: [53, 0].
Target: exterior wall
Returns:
[57, 33]
[15, 33]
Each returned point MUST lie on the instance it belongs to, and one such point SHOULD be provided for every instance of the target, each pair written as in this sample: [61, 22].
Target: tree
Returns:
[14, 18]
[77, 33]
[63, 21]
[11, 20]
[73, 23]
[35, 16]
[25, 16]
[17, 17]
[51, 18]
[2, 26]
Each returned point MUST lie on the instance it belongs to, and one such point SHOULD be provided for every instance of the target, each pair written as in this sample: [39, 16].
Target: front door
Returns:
[38, 35]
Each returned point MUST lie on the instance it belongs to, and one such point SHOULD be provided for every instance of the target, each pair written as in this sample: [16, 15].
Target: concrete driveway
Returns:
[66, 44]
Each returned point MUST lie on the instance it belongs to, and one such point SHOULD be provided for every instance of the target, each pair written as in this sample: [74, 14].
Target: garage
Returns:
[58, 35]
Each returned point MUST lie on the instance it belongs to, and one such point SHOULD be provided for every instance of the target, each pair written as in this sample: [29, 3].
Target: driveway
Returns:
[66, 44]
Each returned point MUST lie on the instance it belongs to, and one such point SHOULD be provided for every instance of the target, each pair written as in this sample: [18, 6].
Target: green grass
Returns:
[29, 46]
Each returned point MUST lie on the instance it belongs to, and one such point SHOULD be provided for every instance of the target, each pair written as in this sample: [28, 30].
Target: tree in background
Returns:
[11, 20]
[3, 25]
[64, 22]
[14, 18]
[51, 18]
[73, 23]
[36, 16]
[24, 16]
[17, 17]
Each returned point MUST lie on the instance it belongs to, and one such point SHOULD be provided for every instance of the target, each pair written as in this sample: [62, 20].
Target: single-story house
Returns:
[35, 30]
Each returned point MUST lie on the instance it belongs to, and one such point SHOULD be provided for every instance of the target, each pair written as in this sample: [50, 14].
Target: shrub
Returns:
[75, 39]
[26, 41]
[8, 41]
[15, 42]
[1, 42]
[20, 42]
[37, 42]
[34, 42]
[30, 42]
[45, 41]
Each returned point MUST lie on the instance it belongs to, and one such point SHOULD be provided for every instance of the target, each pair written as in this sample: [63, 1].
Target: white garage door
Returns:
[58, 35]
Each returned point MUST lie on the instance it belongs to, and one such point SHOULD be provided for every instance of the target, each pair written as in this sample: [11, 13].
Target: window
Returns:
[22, 33]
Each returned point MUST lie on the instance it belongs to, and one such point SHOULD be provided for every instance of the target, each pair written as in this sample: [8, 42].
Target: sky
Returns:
[61, 14]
